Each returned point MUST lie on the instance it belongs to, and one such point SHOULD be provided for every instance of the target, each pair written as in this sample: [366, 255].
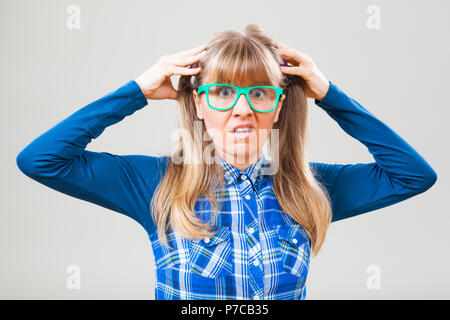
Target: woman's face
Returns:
[240, 150]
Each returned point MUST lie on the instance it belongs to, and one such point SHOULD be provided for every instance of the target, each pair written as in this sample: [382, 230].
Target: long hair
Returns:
[240, 59]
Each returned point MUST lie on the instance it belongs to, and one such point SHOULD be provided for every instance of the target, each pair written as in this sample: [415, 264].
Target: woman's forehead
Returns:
[241, 82]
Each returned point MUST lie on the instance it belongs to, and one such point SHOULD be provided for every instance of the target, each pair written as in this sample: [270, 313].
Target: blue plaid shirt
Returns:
[259, 252]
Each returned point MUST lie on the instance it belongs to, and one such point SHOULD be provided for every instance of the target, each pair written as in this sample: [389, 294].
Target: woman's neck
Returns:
[240, 162]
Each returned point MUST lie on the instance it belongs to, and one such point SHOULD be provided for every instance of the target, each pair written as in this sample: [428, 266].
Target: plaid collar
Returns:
[254, 172]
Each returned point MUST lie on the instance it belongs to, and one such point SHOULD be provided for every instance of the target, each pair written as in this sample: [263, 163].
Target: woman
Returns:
[244, 225]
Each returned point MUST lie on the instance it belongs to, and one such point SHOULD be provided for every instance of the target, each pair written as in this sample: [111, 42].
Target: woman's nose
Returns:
[242, 107]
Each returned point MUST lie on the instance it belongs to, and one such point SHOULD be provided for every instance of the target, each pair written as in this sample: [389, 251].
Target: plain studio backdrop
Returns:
[390, 56]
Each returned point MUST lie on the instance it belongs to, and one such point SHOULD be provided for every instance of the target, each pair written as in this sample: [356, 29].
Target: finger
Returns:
[179, 59]
[292, 62]
[288, 59]
[294, 55]
[189, 60]
[278, 44]
[288, 52]
[195, 50]
[184, 71]
[195, 58]
[287, 70]
[305, 56]
[297, 71]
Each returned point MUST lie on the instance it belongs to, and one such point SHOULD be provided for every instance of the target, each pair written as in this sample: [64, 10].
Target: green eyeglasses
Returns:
[222, 96]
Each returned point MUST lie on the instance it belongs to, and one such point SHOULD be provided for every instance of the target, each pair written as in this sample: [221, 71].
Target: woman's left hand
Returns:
[303, 66]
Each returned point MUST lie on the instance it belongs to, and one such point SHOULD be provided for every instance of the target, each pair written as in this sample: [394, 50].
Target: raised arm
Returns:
[398, 173]
[58, 158]
[124, 183]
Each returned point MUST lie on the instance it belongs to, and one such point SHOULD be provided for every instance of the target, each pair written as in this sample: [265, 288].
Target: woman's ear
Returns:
[198, 104]
[277, 110]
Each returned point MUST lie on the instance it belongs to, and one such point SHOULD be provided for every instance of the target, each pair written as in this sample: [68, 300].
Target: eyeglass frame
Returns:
[240, 90]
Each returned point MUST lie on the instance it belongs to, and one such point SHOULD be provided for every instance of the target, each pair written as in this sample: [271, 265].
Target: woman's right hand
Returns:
[155, 83]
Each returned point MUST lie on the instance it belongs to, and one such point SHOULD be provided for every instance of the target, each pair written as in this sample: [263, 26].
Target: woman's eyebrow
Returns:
[252, 84]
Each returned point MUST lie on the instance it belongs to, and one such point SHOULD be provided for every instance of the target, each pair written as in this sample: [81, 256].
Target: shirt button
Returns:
[243, 177]
[248, 197]
[251, 230]
[256, 263]
[206, 240]
[294, 240]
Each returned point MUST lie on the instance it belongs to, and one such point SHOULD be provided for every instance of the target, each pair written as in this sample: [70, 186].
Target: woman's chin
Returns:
[240, 151]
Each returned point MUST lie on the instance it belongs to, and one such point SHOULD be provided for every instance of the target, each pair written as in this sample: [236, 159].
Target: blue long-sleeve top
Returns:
[125, 183]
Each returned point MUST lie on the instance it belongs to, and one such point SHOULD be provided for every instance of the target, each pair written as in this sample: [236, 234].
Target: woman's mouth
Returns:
[242, 133]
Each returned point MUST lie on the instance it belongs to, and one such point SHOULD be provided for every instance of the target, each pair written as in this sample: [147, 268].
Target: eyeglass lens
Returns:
[222, 97]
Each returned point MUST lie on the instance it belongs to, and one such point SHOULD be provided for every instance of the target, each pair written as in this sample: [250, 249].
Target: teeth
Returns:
[242, 129]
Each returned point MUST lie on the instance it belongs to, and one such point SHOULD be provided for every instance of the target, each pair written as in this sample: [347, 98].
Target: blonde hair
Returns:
[240, 59]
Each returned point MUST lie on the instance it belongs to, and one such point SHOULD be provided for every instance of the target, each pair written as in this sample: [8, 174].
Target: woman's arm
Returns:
[125, 184]
[58, 159]
[398, 173]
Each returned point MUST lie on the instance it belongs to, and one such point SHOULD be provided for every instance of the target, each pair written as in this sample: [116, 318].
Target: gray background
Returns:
[398, 72]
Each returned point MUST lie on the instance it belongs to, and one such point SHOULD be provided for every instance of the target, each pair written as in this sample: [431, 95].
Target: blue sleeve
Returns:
[122, 183]
[398, 173]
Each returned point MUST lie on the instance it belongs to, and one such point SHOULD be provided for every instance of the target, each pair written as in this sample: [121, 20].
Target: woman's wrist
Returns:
[322, 90]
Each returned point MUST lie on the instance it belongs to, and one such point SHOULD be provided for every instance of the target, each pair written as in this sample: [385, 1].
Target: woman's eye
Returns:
[225, 92]
[257, 93]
